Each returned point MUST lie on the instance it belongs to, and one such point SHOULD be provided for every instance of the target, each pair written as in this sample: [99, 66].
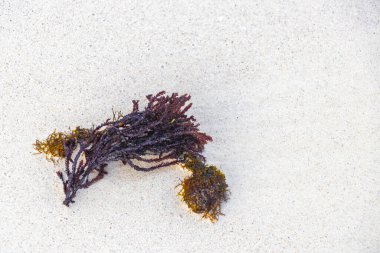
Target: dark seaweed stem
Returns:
[158, 136]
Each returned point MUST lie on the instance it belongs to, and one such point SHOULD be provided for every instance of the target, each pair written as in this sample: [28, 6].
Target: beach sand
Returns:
[288, 90]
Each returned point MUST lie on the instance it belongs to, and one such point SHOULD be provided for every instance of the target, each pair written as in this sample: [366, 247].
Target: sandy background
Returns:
[288, 89]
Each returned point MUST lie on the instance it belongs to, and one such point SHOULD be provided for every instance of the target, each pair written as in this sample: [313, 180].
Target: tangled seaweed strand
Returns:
[162, 131]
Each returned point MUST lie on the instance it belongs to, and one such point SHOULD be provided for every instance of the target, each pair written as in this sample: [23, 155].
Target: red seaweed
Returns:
[159, 136]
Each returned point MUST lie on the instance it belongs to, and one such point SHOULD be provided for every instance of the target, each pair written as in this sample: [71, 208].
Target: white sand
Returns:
[289, 91]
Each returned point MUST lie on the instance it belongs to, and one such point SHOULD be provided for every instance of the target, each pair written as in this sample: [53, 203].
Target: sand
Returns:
[288, 90]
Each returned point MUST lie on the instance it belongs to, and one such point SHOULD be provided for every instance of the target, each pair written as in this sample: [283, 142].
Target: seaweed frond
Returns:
[205, 190]
[53, 147]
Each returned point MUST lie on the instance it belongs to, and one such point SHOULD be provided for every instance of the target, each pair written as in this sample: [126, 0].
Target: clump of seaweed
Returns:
[53, 145]
[205, 190]
[162, 131]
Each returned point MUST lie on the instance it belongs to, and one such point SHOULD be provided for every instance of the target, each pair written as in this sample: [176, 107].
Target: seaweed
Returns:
[205, 190]
[160, 135]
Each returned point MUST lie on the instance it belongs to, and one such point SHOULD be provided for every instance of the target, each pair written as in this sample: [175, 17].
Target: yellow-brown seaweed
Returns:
[205, 190]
